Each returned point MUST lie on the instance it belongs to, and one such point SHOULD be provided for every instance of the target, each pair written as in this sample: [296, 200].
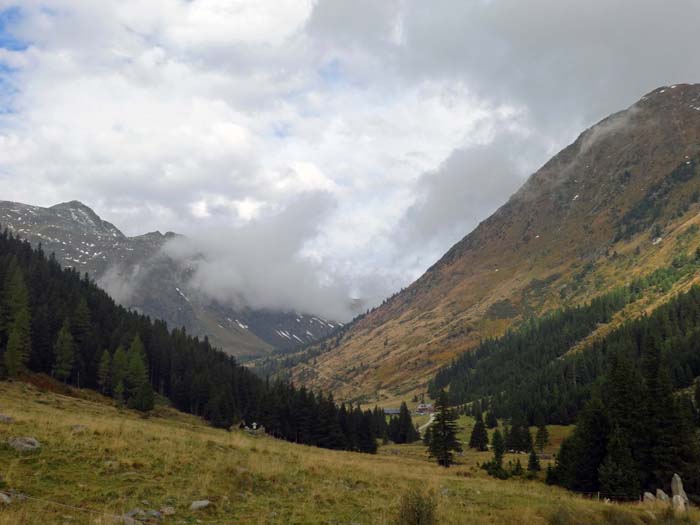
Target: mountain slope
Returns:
[617, 203]
[138, 275]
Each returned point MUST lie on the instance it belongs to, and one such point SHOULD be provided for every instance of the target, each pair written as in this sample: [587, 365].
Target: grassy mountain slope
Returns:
[619, 202]
[119, 461]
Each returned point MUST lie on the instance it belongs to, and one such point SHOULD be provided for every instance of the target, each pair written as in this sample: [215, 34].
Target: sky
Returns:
[314, 151]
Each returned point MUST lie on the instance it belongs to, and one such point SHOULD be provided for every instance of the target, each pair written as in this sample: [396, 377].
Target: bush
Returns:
[417, 508]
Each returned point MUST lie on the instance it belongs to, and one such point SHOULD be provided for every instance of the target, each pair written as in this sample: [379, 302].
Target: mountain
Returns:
[619, 202]
[136, 272]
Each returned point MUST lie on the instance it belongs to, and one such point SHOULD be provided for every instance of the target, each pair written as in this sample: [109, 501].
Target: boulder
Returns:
[5, 499]
[24, 444]
[167, 511]
[678, 504]
[677, 488]
[200, 504]
[649, 497]
[662, 496]
[6, 419]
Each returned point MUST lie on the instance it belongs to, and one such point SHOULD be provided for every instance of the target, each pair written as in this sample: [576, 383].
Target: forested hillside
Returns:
[531, 372]
[58, 322]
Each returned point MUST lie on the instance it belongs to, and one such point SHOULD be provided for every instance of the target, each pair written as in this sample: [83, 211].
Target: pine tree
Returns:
[541, 437]
[405, 431]
[19, 344]
[64, 353]
[104, 373]
[479, 438]
[618, 474]
[15, 320]
[136, 370]
[120, 363]
[443, 435]
[499, 448]
[491, 421]
[533, 462]
[119, 393]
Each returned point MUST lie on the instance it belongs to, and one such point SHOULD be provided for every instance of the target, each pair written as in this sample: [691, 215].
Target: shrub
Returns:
[417, 508]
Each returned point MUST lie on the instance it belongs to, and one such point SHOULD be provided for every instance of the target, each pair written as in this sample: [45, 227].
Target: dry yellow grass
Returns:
[123, 460]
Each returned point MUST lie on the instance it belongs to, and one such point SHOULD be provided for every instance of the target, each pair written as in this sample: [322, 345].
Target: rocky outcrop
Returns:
[677, 488]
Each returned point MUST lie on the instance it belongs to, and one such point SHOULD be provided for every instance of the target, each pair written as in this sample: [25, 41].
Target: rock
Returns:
[677, 488]
[5, 499]
[6, 419]
[24, 444]
[17, 496]
[154, 514]
[167, 511]
[200, 504]
[649, 497]
[136, 513]
[678, 504]
[661, 495]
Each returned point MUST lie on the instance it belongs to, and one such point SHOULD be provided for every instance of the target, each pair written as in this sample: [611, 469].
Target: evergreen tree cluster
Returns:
[58, 322]
[401, 429]
[637, 439]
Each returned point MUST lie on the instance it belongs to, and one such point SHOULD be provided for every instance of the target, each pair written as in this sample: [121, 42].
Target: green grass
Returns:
[170, 458]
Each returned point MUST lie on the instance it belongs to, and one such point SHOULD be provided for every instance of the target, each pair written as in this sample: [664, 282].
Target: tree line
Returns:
[58, 322]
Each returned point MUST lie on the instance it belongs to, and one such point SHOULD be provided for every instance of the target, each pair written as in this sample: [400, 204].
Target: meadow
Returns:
[98, 461]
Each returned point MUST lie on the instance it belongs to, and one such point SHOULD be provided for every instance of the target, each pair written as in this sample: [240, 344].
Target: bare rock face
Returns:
[24, 444]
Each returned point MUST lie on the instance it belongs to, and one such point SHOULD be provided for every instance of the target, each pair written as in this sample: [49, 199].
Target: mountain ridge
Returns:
[136, 272]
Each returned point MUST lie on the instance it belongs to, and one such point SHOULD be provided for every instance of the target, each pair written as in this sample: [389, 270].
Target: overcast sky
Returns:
[340, 146]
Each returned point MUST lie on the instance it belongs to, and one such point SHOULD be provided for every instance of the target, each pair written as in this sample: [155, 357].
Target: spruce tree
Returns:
[533, 462]
[479, 439]
[541, 437]
[120, 363]
[136, 370]
[104, 372]
[15, 319]
[64, 353]
[405, 431]
[618, 474]
[491, 421]
[19, 344]
[443, 435]
[119, 393]
[498, 446]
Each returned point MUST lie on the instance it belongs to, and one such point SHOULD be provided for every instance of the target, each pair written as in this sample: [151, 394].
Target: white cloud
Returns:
[412, 119]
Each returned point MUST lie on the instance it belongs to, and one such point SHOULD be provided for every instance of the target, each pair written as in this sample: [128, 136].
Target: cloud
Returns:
[263, 263]
[413, 120]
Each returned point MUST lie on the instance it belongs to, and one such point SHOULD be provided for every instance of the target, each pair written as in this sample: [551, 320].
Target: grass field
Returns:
[121, 461]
